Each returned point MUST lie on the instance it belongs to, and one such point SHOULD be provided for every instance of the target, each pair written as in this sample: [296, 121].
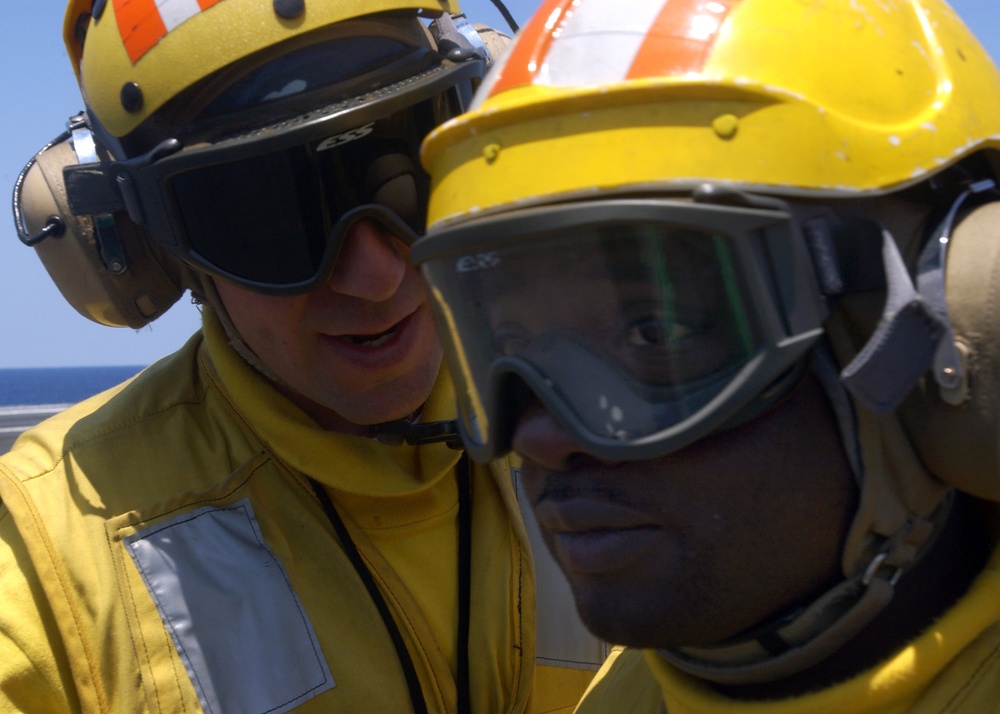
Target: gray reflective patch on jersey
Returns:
[561, 639]
[238, 626]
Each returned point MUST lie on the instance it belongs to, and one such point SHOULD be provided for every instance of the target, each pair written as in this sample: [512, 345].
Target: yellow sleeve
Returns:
[33, 675]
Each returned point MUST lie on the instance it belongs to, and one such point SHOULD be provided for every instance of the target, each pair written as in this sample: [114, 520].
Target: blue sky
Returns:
[37, 327]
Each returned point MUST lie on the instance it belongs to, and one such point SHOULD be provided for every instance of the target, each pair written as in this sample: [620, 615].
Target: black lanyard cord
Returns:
[464, 583]
[464, 590]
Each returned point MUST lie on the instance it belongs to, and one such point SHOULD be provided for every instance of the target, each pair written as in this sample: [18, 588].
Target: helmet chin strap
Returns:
[410, 431]
[806, 637]
[203, 291]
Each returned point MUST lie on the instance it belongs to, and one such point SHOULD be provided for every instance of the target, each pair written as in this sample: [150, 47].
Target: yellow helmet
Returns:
[837, 97]
[239, 139]
[787, 107]
[133, 56]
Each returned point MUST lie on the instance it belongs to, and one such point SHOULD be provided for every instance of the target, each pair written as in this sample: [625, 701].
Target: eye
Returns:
[655, 332]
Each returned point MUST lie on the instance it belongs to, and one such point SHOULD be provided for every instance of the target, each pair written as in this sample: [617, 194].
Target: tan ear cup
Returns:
[496, 42]
[142, 281]
[958, 439]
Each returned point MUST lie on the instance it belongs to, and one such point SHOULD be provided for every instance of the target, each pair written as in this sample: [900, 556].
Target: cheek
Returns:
[262, 321]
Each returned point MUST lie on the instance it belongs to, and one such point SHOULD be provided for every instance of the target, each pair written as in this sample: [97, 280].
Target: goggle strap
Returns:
[91, 190]
[902, 348]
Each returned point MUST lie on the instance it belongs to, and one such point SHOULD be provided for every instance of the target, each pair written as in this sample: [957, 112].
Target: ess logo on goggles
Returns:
[481, 261]
[269, 209]
[347, 136]
[641, 324]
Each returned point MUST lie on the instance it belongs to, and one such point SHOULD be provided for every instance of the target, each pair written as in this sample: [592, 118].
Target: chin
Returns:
[622, 614]
[611, 613]
[377, 411]
[393, 400]
[610, 626]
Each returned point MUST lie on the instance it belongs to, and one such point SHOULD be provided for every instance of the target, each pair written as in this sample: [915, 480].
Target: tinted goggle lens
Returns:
[633, 328]
[630, 331]
[255, 219]
[269, 220]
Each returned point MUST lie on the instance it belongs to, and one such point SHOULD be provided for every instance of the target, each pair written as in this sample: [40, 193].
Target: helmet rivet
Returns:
[725, 125]
[131, 97]
[491, 152]
[289, 9]
[460, 54]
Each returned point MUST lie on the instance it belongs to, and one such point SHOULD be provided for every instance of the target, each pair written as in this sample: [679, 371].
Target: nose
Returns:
[372, 263]
[538, 438]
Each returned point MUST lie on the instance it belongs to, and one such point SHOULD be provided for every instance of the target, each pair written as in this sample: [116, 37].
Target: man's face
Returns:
[360, 350]
[697, 546]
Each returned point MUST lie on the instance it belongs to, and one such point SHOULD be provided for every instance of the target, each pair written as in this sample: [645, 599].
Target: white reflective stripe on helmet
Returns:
[608, 36]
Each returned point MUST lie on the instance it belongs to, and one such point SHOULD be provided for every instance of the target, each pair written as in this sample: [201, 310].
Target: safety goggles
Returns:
[640, 324]
[269, 209]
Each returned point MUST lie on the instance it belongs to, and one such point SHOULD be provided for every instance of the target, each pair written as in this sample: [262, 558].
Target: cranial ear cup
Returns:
[129, 286]
[960, 443]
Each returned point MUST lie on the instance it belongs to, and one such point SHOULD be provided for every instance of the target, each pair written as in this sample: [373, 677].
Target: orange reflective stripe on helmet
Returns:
[170, 38]
[561, 46]
[143, 23]
[531, 47]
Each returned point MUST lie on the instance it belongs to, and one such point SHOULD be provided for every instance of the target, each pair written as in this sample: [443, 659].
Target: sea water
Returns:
[31, 394]
[58, 385]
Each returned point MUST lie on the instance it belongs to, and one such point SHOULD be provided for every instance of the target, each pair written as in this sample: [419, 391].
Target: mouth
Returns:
[381, 346]
[375, 340]
[582, 514]
[605, 551]
[593, 535]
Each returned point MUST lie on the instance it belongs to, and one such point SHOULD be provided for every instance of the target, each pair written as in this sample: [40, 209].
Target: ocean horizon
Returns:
[30, 394]
[24, 387]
